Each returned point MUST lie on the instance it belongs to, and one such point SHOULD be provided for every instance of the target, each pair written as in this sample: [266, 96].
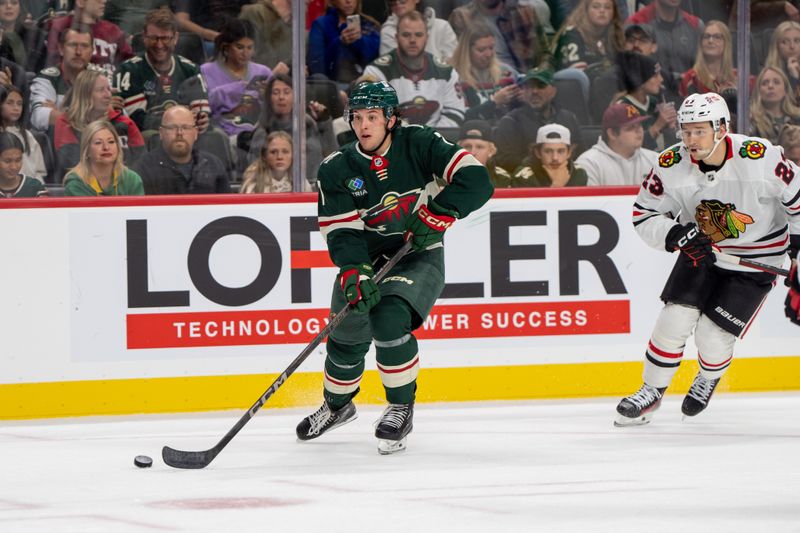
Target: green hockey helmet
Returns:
[372, 95]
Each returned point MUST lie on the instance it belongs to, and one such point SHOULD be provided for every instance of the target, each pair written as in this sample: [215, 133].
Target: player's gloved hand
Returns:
[792, 302]
[695, 246]
[359, 288]
[427, 225]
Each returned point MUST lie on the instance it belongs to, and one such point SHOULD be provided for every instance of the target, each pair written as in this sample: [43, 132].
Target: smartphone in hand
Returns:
[354, 22]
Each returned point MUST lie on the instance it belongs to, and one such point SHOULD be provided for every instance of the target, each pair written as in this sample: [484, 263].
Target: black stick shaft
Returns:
[189, 459]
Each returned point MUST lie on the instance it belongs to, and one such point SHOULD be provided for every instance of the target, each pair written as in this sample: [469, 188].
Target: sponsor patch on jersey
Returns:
[752, 150]
[720, 220]
[356, 186]
[669, 158]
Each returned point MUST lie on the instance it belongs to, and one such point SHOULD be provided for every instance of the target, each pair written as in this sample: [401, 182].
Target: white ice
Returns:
[525, 466]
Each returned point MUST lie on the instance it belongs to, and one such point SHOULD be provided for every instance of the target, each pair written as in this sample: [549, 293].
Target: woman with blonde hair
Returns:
[773, 105]
[713, 66]
[101, 170]
[784, 52]
[272, 171]
[489, 87]
[90, 100]
[591, 34]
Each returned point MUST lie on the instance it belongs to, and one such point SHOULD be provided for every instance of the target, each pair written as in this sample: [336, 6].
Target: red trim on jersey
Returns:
[779, 244]
[339, 220]
[662, 353]
[449, 171]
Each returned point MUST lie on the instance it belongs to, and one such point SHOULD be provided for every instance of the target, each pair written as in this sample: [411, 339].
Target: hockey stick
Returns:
[185, 459]
[732, 259]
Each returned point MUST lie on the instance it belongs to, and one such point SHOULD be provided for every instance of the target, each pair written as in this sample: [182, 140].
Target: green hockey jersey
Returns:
[28, 188]
[364, 200]
[146, 94]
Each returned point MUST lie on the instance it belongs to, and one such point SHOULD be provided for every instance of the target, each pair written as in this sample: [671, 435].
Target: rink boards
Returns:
[169, 304]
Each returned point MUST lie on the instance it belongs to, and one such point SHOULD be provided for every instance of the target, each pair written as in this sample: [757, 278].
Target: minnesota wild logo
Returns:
[752, 150]
[669, 158]
[721, 221]
[388, 216]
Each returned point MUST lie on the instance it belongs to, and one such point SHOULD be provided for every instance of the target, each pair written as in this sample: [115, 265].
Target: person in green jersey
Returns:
[373, 194]
[100, 170]
[13, 184]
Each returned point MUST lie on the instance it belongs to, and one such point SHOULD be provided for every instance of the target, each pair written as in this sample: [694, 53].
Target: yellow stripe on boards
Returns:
[209, 393]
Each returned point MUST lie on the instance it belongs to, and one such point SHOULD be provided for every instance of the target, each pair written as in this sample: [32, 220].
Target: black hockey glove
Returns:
[792, 302]
[359, 288]
[427, 225]
[695, 246]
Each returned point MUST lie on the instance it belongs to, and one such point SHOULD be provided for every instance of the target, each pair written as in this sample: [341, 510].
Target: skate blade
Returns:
[388, 447]
[624, 421]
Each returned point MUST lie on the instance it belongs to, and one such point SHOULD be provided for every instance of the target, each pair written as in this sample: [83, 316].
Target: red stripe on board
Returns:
[662, 353]
[299, 326]
[310, 259]
[277, 198]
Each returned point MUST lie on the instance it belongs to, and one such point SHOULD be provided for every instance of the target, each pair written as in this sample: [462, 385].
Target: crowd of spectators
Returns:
[105, 97]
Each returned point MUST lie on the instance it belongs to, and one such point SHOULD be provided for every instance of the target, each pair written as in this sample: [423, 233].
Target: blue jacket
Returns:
[326, 51]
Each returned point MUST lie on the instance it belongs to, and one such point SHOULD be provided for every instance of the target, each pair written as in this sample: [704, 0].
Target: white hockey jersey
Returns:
[431, 97]
[748, 208]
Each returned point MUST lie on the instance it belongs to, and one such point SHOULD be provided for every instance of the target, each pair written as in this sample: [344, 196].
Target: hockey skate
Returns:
[324, 420]
[393, 428]
[699, 395]
[638, 409]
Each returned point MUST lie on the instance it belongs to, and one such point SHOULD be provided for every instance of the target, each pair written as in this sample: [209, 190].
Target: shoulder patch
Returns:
[330, 157]
[383, 60]
[669, 158]
[184, 60]
[134, 60]
[441, 63]
[752, 149]
[51, 71]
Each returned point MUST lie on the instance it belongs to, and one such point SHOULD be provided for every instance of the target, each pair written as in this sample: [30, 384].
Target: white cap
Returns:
[553, 134]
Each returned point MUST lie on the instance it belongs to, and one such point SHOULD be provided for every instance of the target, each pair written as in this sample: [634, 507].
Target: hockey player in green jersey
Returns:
[373, 194]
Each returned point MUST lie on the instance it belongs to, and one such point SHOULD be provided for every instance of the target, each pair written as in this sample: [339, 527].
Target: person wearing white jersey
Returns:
[718, 190]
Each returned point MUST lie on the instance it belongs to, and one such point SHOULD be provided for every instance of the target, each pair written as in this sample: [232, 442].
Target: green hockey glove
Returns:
[359, 289]
[427, 225]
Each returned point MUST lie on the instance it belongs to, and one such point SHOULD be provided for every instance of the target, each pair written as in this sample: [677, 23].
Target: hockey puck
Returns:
[143, 461]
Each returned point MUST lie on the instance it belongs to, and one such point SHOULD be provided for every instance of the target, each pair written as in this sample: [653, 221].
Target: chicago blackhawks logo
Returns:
[388, 217]
[721, 221]
[669, 158]
[752, 150]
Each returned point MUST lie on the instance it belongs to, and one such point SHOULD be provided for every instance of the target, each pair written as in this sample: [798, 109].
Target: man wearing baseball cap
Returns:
[476, 137]
[641, 38]
[550, 164]
[618, 157]
[517, 130]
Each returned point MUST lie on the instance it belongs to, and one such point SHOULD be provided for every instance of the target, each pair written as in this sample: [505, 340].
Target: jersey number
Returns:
[123, 81]
[784, 172]
[653, 184]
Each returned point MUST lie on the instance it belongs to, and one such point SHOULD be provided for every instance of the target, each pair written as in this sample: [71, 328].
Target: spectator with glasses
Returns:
[177, 166]
[109, 43]
[158, 78]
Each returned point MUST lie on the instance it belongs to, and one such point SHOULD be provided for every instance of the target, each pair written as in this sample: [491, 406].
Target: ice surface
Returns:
[525, 466]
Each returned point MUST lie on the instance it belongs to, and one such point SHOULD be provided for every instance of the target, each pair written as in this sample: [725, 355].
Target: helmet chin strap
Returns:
[713, 148]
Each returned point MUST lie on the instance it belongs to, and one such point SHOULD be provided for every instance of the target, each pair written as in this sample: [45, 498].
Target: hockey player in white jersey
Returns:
[719, 190]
